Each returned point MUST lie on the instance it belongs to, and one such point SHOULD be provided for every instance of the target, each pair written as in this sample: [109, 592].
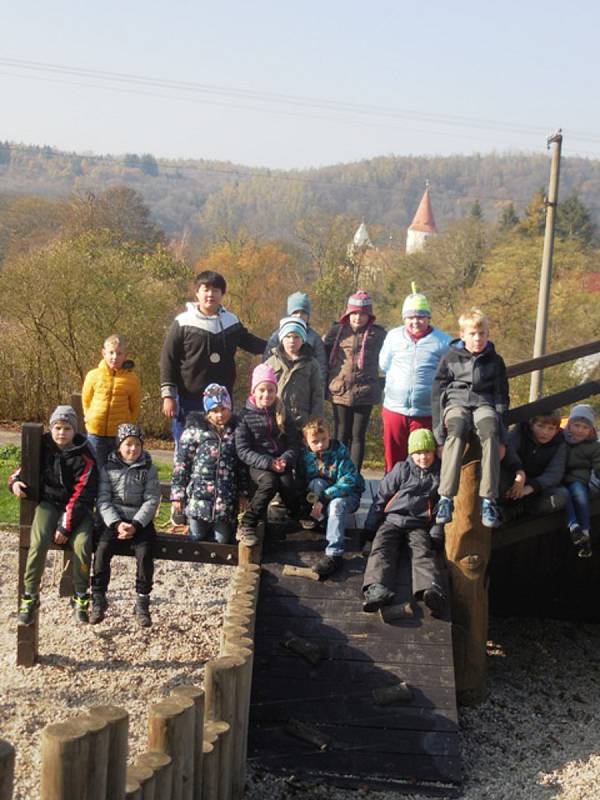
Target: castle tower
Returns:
[361, 242]
[423, 225]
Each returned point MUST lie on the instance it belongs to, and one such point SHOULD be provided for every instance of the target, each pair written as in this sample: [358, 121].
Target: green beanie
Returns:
[420, 440]
[416, 304]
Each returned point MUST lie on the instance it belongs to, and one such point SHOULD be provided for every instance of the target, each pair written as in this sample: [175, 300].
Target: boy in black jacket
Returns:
[403, 509]
[470, 390]
[68, 487]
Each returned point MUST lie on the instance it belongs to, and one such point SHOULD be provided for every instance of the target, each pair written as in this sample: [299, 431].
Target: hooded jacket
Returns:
[110, 397]
[298, 384]
[258, 439]
[128, 492]
[543, 464]
[336, 467]
[582, 458]
[349, 383]
[313, 340]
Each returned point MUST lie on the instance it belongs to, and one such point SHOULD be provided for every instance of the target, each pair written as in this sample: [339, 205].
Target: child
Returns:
[299, 381]
[208, 475]
[403, 509]
[328, 472]
[583, 456]
[128, 498]
[68, 486]
[200, 349]
[268, 443]
[470, 389]
[110, 397]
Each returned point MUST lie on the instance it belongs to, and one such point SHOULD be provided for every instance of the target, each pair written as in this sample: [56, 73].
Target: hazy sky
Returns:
[285, 84]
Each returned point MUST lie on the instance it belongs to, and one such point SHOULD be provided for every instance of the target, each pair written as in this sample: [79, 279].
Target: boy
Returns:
[200, 349]
[403, 510]
[583, 456]
[299, 381]
[110, 397]
[327, 471]
[128, 498]
[470, 389]
[68, 486]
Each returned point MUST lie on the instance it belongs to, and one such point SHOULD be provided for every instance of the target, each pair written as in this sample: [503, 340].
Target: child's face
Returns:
[475, 338]
[114, 355]
[317, 441]
[209, 299]
[292, 344]
[417, 324]
[302, 314]
[543, 431]
[130, 449]
[358, 319]
[265, 394]
[219, 416]
[423, 458]
[62, 434]
[580, 431]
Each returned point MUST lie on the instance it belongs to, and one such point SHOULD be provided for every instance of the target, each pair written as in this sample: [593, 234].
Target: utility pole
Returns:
[541, 324]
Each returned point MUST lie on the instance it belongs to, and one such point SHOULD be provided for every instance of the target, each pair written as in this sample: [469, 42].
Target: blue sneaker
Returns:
[445, 508]
[490, 514]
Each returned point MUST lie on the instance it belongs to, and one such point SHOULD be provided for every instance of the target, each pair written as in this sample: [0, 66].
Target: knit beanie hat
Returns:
[583, 413]
[63, 414]
[264, 373]
[421, 440]
[292, 325]
[360, 301]
[216, 396]
[298, 301]
[416, 304]
[129, 429]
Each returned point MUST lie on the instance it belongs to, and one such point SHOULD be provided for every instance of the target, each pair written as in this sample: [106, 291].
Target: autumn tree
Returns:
[573, 220]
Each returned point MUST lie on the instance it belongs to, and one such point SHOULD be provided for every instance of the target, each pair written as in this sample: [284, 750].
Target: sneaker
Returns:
[142, 610]
[445, 508]
[435, 601]
[585, 545]
[308, 523]
[327, 565]
[27, 607]
[246, 535]
[375, 596]
[577, 534]
[81, 604]
[99, 606]
[490, 514]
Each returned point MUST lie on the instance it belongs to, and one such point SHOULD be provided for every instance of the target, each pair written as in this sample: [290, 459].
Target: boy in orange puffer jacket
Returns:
[111, 397]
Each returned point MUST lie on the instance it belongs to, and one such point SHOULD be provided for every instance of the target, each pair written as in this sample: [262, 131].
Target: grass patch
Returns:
[10, 458]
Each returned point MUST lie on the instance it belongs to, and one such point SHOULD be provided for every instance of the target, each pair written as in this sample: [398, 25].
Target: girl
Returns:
[268, 443]
[208, 475]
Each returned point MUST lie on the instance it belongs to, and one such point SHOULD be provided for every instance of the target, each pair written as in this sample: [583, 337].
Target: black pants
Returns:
[142, 545]
[268, 484]
[350, 427]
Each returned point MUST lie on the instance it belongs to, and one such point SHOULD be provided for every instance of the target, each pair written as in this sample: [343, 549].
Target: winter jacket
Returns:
[199, 350]
[469, 380]
[258, 440]
[406, 496]
[128, 492]
[299, 384]
[349, 385]
[543, 464]
[208, 475]
[313, 340]
[336, 467]
[410, 368]
[110, 397]
[68, 480]
[582, 458]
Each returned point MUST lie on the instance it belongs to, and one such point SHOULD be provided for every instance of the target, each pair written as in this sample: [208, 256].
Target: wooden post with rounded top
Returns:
[144, 777]
[221, 677]
[65, 754]
[98, 737]
[214, 731]
[196, 695]
[162, 767]
[7, 770]
[170, 730]
[117, 720]
[242, 648]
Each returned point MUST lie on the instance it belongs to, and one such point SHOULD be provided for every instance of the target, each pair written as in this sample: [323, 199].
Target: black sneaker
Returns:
[375, 597]
[577, 534]
[328, 565]
[99, 606]
[27, 607]
[142, 610]
[585, 546]
[435, 601]
[81, 607]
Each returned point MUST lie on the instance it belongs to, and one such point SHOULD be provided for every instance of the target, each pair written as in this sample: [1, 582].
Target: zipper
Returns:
[214, 508]
[110, 396]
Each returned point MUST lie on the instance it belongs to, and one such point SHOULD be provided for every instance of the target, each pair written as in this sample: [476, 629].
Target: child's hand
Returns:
[317, 510]
[177, 506]
[19, 489]
[60, 538]
[501, 450]
[278, 465]
[169, 406]
[125, 530]
[517, 489]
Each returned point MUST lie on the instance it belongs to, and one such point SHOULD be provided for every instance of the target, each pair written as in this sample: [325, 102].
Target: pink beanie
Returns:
[262, 374]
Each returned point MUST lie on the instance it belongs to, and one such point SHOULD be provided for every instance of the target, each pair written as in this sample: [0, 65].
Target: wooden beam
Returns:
[551, 359]
[546, 404]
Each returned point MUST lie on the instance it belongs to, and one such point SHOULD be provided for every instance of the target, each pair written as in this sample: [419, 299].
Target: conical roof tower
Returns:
[423, 225]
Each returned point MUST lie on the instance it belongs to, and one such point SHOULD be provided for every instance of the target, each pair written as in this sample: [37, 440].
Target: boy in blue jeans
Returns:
[583, 458]
[335, 488]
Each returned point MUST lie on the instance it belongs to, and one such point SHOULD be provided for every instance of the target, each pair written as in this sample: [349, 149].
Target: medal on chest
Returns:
[214, 358]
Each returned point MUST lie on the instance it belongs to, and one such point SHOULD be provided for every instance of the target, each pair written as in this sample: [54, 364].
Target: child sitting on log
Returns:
[128, 498]
[68, 487]
[335, 487]
[403, 511]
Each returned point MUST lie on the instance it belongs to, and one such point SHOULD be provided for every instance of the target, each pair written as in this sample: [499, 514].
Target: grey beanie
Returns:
[584, 413]
[64, 414]
[298, 301]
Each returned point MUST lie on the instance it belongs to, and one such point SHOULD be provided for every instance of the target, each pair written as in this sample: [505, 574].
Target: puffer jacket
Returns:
[208, 475]
[336, 467]
[349, 385]
[582, 458]
[258, 439]
[470, 380]
[110, 398]
[406, 497]
[128, 492]
[410, 368]
[313, 340]
[298, 384]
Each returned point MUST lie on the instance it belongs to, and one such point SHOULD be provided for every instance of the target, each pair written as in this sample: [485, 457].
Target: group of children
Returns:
[230, 467]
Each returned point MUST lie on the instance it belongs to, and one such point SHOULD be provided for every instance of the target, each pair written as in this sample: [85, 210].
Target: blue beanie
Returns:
[216, 396]
[292, 325]
[298, 301]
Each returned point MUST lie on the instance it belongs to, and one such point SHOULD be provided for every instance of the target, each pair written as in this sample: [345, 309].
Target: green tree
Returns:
[573, 220]
[476, 211]
[533, 222]
[149, 165]
[508, 218]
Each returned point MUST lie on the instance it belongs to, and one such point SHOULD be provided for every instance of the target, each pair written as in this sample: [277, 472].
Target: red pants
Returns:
[396, 430]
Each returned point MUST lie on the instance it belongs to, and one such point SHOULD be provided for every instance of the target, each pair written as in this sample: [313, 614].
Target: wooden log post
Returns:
[162, 766]
[65, 585]
[144, 777]
[133, 790]
[196, 695]
[214, 731]
[220, 679]
[468, 550]
[31, 453]
[98, 737]
[243, 649]
[170, 730]
[117, 720]
[7, 770]
[65, 753]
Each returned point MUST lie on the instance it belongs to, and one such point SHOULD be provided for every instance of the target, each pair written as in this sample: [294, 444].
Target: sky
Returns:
[299, 84]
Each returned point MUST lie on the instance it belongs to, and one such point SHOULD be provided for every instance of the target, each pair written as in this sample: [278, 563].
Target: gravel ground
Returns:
[537, 736]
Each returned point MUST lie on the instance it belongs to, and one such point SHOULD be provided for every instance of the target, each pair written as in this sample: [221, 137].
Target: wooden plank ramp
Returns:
[348, 739]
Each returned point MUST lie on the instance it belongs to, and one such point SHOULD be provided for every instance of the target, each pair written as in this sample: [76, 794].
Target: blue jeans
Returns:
[577, 507]
[201, 529]
[102, 446]
[335, 510]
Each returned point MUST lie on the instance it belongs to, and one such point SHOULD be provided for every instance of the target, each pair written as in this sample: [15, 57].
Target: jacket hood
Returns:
[459, 347]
